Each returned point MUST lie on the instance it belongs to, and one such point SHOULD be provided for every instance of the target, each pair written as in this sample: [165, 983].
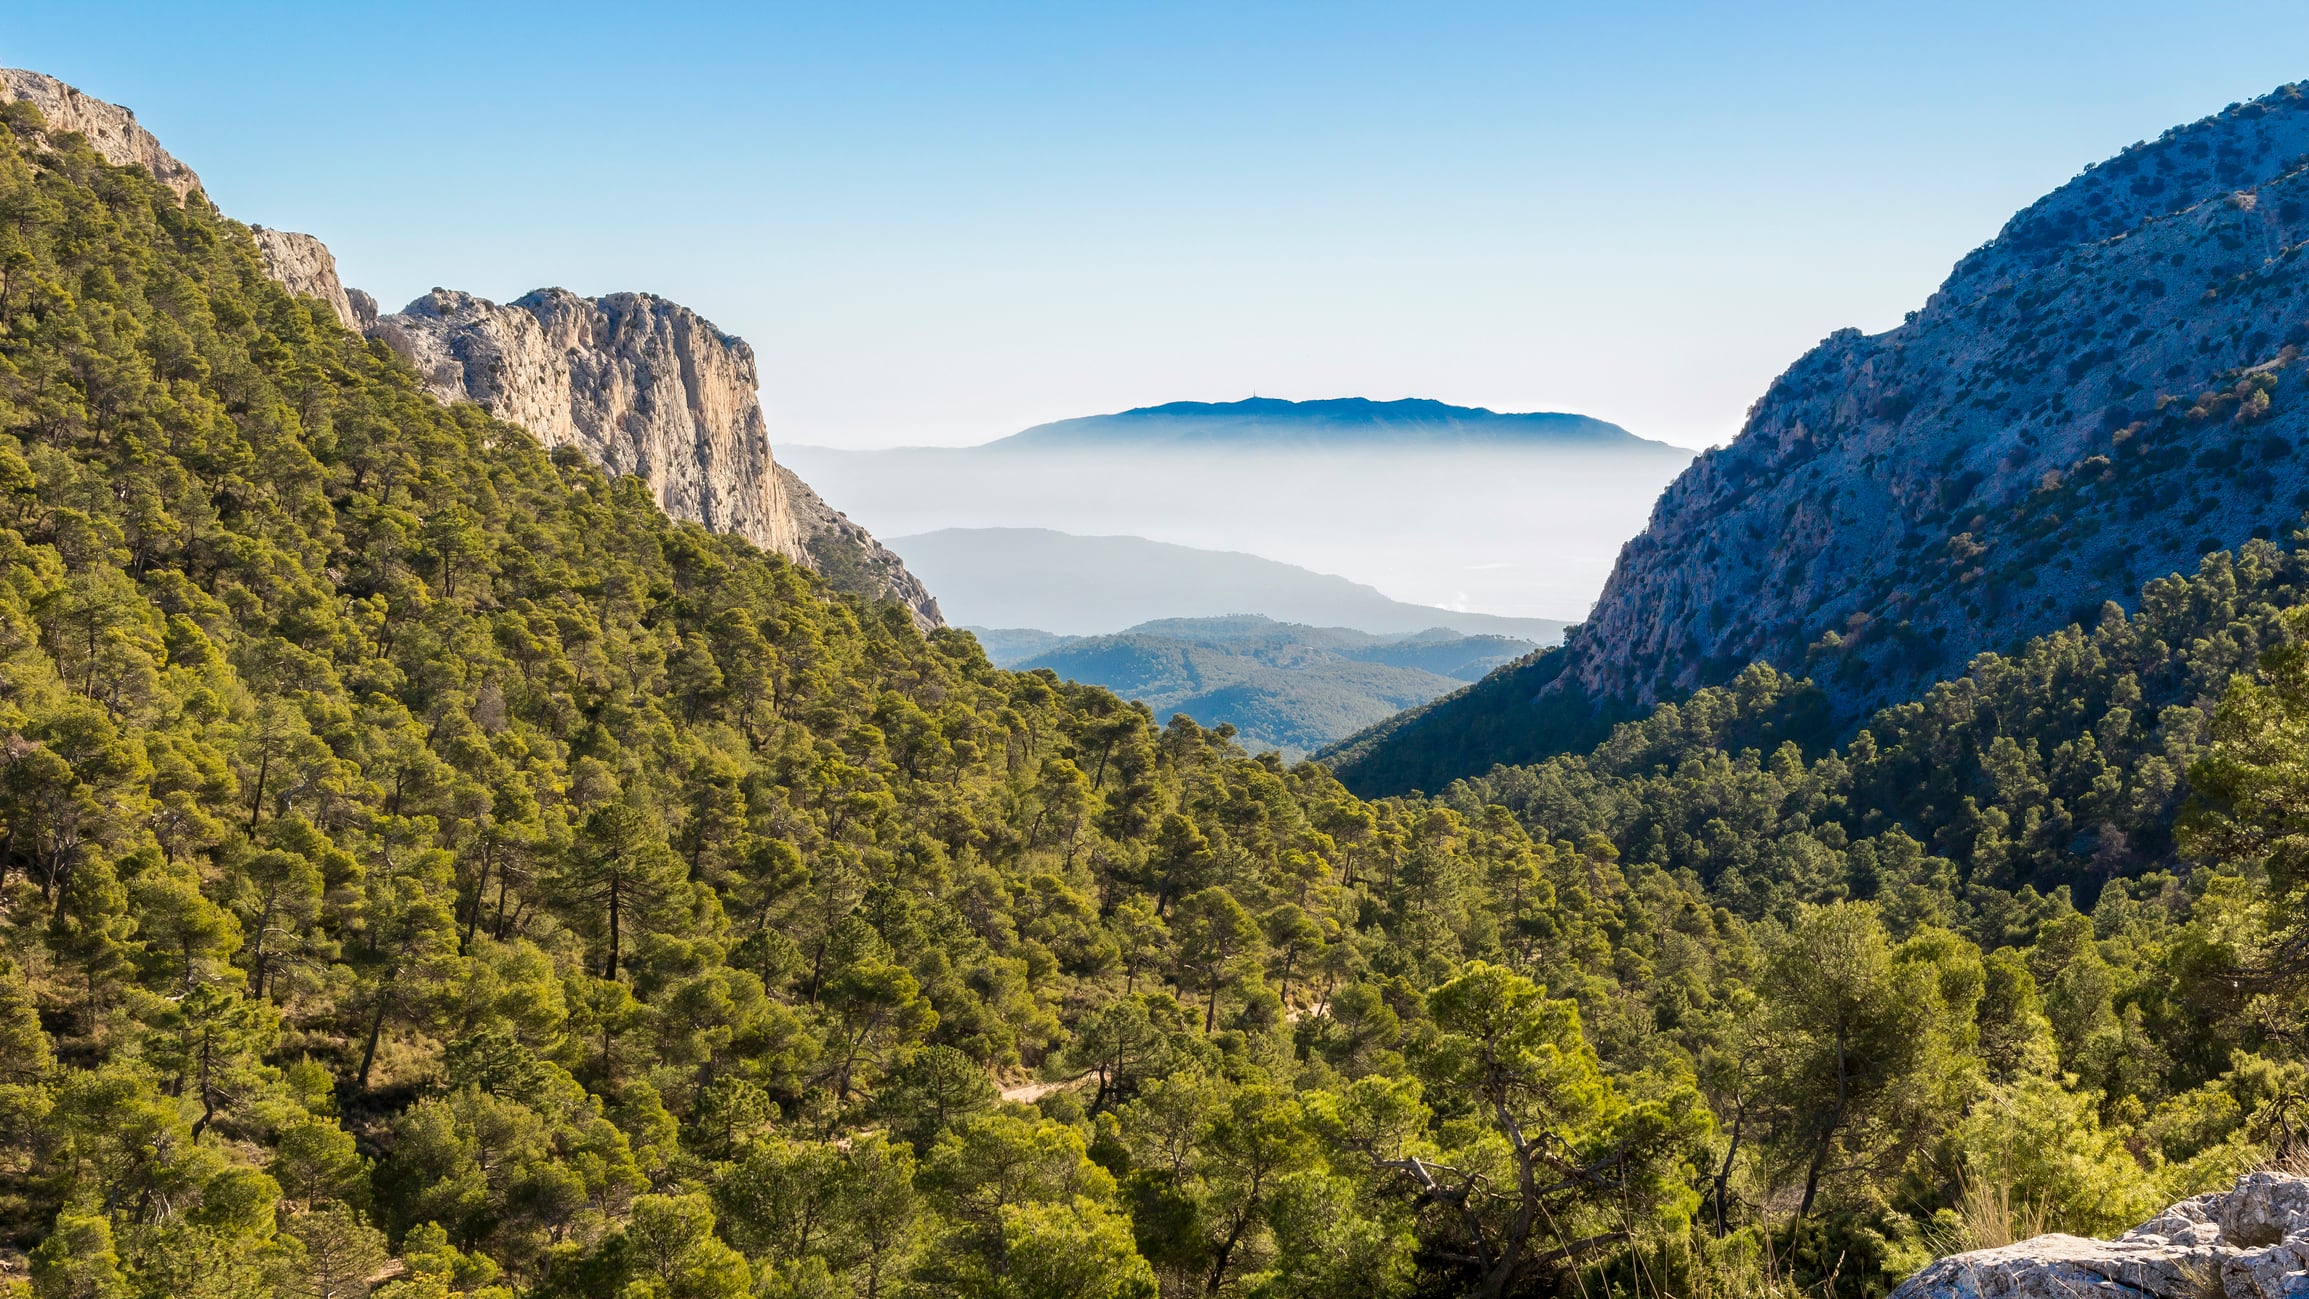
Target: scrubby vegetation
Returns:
[429, 871]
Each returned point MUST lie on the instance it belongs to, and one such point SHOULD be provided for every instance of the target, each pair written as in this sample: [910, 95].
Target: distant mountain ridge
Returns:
[1282, 686]
[1348, 421]
[2110, 388]
[1077, 585]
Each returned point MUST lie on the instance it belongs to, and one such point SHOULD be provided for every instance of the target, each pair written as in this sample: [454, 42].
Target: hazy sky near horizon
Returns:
[941, 222]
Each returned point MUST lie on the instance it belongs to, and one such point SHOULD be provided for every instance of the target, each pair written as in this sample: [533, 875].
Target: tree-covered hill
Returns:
[426, 870]
[2061, 766]
[1280, 685]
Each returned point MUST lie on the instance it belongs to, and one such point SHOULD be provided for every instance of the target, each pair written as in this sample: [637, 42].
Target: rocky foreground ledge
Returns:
[2250, 1242]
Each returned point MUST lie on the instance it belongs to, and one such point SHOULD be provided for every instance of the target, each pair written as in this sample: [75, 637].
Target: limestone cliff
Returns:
[641, 385]
[112, 131]
[305, 266]
[646, 387]
[2105, 390]
[2111, 387]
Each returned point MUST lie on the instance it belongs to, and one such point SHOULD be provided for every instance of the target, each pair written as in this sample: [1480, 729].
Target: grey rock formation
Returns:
[641, 385]
[2249, 1242]
[646, 387]
[2110, 388]
[112, 131]
[304, 266]
[2019, 451]
[848, 556]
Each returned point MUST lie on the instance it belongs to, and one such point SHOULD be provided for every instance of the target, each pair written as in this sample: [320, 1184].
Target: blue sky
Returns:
[945, 222]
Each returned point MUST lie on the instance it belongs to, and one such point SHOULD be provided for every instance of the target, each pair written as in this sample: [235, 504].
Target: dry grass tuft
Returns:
[1993, 1217]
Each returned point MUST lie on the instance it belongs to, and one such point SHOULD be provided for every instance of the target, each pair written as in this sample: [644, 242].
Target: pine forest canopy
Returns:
[430, 871]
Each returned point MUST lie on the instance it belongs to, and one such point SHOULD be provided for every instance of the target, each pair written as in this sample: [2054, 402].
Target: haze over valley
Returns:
[1449, 507]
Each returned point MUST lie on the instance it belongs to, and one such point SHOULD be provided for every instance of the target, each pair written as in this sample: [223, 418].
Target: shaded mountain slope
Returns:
[2107, 390]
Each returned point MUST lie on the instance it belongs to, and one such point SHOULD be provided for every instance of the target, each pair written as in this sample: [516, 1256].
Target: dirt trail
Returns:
[1029, 1093]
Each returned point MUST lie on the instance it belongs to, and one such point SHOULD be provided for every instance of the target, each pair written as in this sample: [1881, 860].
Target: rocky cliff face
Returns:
[111, 130]
[2249, 1242]
[641, 385]
[304, 266]
[646, 387]
[2109, 388]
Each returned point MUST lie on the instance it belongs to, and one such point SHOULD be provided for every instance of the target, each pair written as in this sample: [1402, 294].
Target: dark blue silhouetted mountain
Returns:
[1341, 421]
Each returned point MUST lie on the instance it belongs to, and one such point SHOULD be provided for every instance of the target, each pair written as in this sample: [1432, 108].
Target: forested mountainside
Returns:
[2110, 388]
[428, 867]
[639, 384]
[429, 870]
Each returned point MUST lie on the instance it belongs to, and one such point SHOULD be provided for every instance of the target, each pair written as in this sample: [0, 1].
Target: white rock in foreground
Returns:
[2250, 1242]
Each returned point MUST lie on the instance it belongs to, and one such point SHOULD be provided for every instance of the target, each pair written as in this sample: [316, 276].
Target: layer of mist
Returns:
[1071, 585]
[1520, 531]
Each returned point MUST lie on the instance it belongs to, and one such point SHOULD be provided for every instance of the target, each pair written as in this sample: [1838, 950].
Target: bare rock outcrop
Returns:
[646, 387]
[2070, 416]
[2249, 1242]
[304, 266]
[641, 385]
[112, 131]
[2112, 387]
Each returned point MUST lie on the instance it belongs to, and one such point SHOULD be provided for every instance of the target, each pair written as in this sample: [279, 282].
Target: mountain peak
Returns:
[2110, 388]
[1348, 421]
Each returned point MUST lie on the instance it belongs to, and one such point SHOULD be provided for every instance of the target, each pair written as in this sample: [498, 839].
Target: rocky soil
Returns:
[2249, 1242]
